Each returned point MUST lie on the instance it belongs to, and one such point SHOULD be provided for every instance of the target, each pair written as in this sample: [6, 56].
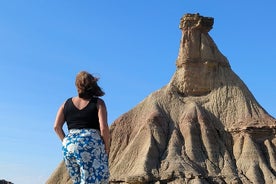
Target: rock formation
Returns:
[60, 176]
[5, 182]
[204, 126]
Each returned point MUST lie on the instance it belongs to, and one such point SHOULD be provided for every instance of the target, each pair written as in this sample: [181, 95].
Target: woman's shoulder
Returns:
[68, 100]
[100, 101]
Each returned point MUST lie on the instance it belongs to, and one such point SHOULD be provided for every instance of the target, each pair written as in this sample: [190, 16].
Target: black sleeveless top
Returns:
[84, 118]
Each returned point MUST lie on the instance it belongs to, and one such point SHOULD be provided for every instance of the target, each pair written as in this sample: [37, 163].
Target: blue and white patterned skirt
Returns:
[85, 157]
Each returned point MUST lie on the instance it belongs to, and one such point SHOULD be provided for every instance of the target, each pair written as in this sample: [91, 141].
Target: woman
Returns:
[86, 147]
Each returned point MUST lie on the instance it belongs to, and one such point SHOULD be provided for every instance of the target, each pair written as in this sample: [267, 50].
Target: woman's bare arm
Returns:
[102, 113]
[59, 123]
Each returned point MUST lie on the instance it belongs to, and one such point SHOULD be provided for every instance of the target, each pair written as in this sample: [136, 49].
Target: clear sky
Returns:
[132, 45]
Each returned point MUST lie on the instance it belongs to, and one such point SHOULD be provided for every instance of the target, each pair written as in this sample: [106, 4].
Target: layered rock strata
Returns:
[205, 126]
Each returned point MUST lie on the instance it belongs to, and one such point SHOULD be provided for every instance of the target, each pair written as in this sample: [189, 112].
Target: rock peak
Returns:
[198, 58]
[196, 21]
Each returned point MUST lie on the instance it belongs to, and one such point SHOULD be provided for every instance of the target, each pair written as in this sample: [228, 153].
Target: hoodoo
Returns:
[204, 126]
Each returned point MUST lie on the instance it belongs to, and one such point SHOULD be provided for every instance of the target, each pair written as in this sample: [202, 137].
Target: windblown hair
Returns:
[87, 85]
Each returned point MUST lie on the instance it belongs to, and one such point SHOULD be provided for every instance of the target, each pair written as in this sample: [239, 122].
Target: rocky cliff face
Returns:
[204, 126]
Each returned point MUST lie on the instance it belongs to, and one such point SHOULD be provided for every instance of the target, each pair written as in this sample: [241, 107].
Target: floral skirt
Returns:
[85, 157]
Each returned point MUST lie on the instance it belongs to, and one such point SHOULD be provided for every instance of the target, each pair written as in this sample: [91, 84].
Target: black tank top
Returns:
[84, 118]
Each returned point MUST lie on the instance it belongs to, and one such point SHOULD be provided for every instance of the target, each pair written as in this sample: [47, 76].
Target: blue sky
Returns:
[131, 45]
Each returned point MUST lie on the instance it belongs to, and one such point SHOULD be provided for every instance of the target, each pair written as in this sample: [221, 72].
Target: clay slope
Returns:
[205, 126]
[59, 176]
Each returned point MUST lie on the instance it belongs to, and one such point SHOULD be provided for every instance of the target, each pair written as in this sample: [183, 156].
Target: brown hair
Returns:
[87, 85]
